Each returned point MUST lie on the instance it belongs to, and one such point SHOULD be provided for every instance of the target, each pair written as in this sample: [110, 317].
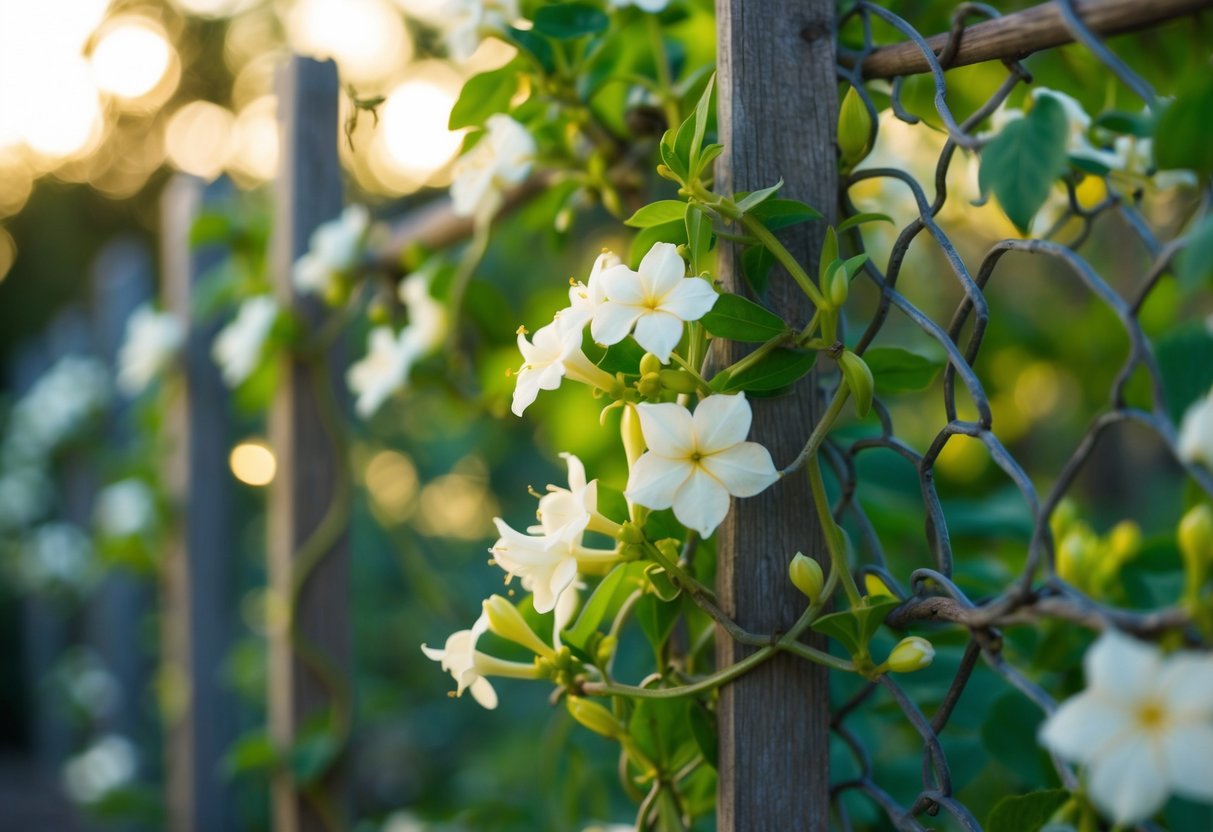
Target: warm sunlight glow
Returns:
[131, 57]
[367, 38]
[253, 463]
[413, 142]
[200, 138]
[61, 116]
[256, 151]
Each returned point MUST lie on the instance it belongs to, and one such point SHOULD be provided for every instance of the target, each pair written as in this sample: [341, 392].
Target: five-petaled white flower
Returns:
[566, 513]
[469, 21]
[1143, 727]
[694, 462]
[238, 346]
[553, 354]
[548, 564]
[151, 342]
[1196, 433]
[500, 160]
[333, 249]
[585, 298]
[655, 299]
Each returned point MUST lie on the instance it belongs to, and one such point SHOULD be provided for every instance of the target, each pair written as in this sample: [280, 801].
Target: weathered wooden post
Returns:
[308, 194]
[777, 108]
[200, 590]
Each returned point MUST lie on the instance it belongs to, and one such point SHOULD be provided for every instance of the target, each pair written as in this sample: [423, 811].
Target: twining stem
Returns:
[785, 258]
[820, 431]
[694, 372]
[749, 360]
[705, 684]
[838, 557]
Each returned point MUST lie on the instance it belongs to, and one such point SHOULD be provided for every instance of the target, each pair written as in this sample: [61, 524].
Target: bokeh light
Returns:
[255, 155]
[8, 253]
[131, 57]
[367, 38]
[200, 138]
[413, 143]
[253, 463]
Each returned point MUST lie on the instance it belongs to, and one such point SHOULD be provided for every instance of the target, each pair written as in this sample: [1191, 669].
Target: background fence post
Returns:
[777, 107]
[308, 194]
[200, 591]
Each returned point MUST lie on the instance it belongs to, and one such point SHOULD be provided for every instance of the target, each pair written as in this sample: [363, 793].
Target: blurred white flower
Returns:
[55, 409]
[107, 764]
[383, 370]
[125, 508]
[553, 354]
[57, 555]
[1196, 433]
[470, 20]
[1136, 156]
[469, 667]
[499, 161]
[650, 6]
[585, 298]
[25, 495]
[402, 822]
[1143, 727]
[694, 462]
[238, 346]
[547, 564]
[428, 322]
[151, 342]
[333, 250]
[655, 300]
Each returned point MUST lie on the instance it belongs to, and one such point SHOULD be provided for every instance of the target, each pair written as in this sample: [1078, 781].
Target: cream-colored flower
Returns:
[553, 354]
[567, 513]
[470, 20]
[585, 298]
[694, 462]
[1143, 727]
[382, 371]
[151, 342]
[1196, 433]
[655, 301]
[499, 161]
[547, 564]
[333, 249]
[238, 346]
[469, 667]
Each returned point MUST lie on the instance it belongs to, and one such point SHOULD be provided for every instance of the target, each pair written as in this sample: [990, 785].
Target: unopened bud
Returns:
[649, 385]
[678, 381]
[854, 128]
[650, 363]
[911, 654]
[595, 717]
[633, 436]
[858, 376]
[876, 587]
[507, 622]
[1124, 540]
[807, 576]
[839, 287]
[1196, 536]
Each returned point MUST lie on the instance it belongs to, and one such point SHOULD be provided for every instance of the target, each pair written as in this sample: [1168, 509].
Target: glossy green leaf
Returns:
[604, 602]
[564, 21]
[738, 319]
[774, 371]
[699, 239]
[900, 371]
[484, 95]
[1021, 163]
[1182, 138]
[1140, 125]
[780, 213]
[658, 213]
[1194, 265]
[754, 199]
[1026, 812]
[535, 45]
[756, 264]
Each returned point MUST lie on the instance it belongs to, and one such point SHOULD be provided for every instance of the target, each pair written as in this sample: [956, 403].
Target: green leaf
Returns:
[1140, 125]
[535, 45]
[1185, 362]
[667, 232]
[900, 371]
[623, 357]
[756, 198]
[1021, 163]
[564, 21]
[862, 219]
[659, 726]
[738, 319]
[756, 263]
[252, 752]
[1008, 733]
[484, 95]
[702, 111]
[1194, 265]
[656, 618]
[662, 585]
[658, 213]
[703, 729]
[1182, 136]
[829, 252]
[604, 602]
[484, 303]
[211, 228]
[1026, 812]
[669, 155]
[699, 238]
[313, 753]
[774, 371]
[780, 213]
[842, 627]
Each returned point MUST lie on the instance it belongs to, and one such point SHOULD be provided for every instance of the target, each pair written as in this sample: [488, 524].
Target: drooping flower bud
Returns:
[911, 654]
[807, 576]
[1196, 535]
[595, 717]
[505, 621]
[858, 376]
[854, 129]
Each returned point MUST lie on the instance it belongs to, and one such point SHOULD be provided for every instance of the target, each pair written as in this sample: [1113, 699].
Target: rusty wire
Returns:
[1038, 592]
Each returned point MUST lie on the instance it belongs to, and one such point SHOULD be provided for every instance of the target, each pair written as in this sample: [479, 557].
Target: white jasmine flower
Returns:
[238, 346]
[547, 564]
[1136, 157]
[553, 354]
[107, 764]
[566, 513]
[383, 370]
[125, 508]
[1143, 727]
[428, 320]
[694, 462]
[655, 300]
[151, 342]
[470, 20]
[469, 667]
[500, 160]
[59, 404]
[1196, 433]
[25, 495]
[585, 298]
[333, 249]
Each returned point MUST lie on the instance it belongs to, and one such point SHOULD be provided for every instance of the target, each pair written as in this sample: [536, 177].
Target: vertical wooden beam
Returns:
[200, 589]
[308, 194]
[777, 108]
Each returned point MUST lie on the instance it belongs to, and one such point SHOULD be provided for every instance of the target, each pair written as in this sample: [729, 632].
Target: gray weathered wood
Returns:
[308, 194]
[777, 108]
[200, 589]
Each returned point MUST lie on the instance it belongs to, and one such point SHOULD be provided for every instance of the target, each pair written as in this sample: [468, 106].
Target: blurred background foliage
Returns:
[101, 100]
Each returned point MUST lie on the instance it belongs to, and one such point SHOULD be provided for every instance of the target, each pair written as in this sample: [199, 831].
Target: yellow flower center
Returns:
[1151, 715]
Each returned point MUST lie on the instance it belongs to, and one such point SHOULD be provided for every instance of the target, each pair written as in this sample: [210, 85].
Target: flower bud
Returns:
[595, 717]
[854, 128]
[858, 376]
[1124, 541]
[807, 576]
[633, 436]
[839, 286]
[1196, 536]
[649, 385]
[910, 654]
[678, 381]
[650, 364]
[876, 587]
[507, 622]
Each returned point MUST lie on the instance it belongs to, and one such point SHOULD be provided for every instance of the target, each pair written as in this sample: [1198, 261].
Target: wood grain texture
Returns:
[777, 108]
[200, 590]
[308, 194]
[1020, 34]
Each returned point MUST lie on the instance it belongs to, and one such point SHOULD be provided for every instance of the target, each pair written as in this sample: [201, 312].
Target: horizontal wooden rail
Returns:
[1020, 34]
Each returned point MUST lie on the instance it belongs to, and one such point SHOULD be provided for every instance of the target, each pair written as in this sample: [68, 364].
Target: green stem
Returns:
[785, 258]
[821, 430]
[705, 684]
[757, 355]
[463, 276]
[838, 557]
[686, 365]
